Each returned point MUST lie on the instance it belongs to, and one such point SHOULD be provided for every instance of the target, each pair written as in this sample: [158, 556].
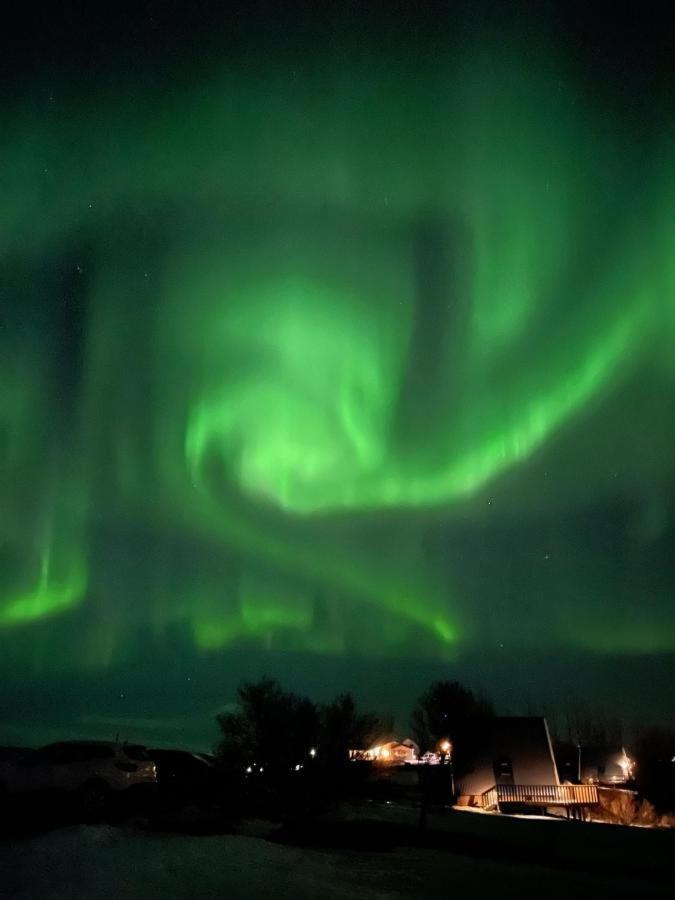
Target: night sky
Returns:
[337, 343]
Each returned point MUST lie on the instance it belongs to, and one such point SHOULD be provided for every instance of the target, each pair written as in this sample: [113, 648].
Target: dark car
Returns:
[92, 771]
[186, 777]
[10, 757]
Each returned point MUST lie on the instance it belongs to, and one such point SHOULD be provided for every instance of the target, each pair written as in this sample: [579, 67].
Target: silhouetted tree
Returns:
[302, 750]
[272, 728]
[655, 775]
[591, 727]
[450, 710]
[344, 728]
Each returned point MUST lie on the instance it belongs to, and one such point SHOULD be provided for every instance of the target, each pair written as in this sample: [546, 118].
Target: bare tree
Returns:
[450, 710]
[272, 728]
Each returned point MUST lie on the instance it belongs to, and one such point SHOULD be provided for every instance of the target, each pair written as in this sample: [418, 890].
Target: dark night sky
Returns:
[336, 343]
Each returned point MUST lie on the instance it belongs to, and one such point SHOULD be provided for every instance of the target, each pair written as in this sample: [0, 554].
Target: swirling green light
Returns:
[313, 331]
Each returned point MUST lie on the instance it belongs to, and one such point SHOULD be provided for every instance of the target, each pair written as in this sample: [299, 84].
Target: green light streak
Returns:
[54, 593]
[293, 445]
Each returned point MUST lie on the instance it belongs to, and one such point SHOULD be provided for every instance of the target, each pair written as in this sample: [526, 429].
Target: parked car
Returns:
[9, 757]
[185, 777]
[11, 754]
[93, 771]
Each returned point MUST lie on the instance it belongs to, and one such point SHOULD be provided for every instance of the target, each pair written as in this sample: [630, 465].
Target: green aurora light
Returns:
[314, 331]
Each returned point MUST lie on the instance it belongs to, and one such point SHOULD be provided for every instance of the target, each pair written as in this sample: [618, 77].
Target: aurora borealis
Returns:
[343, 349]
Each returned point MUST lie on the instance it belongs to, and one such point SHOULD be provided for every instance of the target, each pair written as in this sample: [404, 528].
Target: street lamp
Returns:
[445, 750]
[452, 774]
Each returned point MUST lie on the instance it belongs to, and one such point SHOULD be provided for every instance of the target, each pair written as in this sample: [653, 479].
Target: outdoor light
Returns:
[445, 746]
[625, 763]
[312, 752]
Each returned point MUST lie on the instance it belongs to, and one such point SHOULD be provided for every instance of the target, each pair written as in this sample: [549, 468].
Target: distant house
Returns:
[603, 765]
[389, 752]
[592, 764]
[515, 768]
[517, 751]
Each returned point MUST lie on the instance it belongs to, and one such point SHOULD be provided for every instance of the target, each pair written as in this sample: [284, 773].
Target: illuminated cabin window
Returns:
[503, 769]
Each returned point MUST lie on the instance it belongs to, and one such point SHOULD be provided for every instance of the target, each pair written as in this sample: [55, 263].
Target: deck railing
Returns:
[489, 799]
[540, 795]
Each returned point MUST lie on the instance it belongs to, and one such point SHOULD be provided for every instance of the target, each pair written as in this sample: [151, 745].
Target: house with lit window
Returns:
[389, 753]
[516, 768]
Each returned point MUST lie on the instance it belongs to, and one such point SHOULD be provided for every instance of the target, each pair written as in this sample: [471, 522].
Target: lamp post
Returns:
[452, 774]
[445, 748]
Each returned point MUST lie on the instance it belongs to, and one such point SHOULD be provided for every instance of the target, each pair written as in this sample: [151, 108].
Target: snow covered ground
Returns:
[108, 862]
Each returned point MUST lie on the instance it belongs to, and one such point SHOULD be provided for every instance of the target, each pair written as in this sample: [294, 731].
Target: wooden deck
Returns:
[540, 795]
